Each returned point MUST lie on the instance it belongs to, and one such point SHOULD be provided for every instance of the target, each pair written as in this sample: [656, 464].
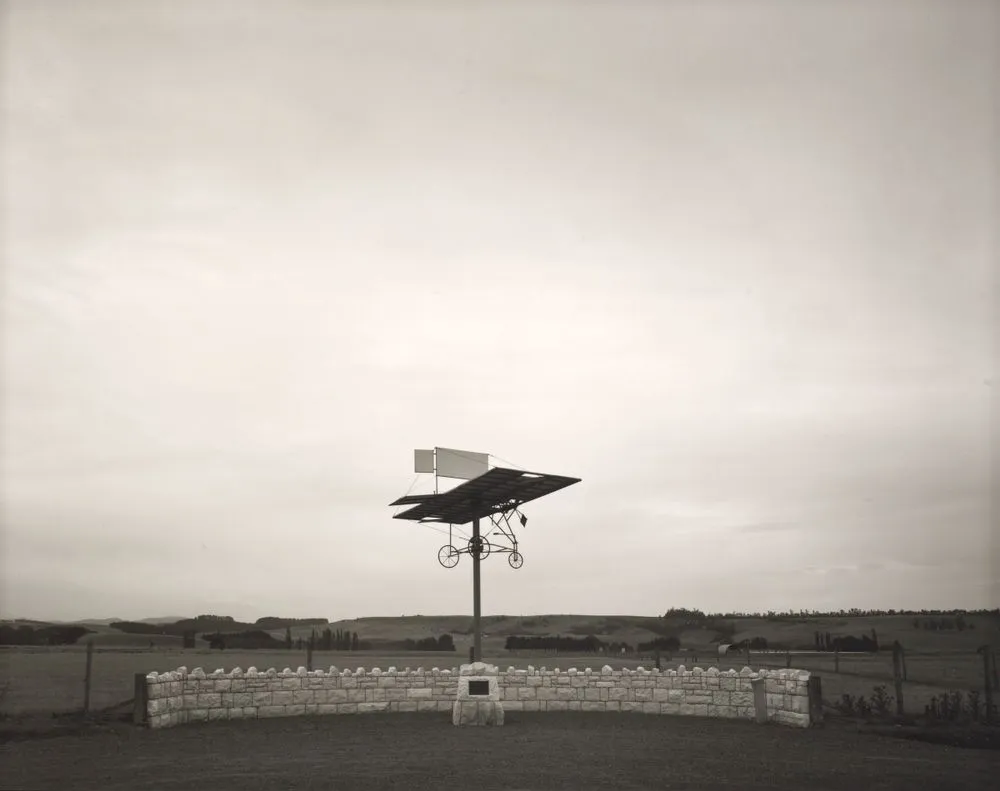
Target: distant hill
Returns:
[161, 620]
[694, 630]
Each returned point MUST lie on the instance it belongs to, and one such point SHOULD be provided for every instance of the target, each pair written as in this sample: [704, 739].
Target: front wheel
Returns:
[516, 559]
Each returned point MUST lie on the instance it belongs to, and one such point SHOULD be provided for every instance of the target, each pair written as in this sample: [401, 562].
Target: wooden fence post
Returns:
[987, 681]
[836, 658]
[86, 678]
[748, 654]
[898, 675]
[788, 658]
[815, 701]
[309, 656]
[140, 705]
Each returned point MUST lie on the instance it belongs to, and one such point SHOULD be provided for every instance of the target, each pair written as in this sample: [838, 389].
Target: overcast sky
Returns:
[732, 264]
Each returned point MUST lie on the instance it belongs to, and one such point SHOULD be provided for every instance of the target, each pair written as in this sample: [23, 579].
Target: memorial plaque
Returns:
[479, 688]
[478, 700]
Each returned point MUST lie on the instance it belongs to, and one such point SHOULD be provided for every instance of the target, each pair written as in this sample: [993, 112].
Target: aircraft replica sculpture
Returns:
[496, 494]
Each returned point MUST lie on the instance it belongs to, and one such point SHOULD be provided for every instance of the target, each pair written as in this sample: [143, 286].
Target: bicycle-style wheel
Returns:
[448, 556]
[516, 559]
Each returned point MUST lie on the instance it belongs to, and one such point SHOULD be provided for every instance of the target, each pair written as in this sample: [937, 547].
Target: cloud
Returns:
[247, 274]
[767, 527]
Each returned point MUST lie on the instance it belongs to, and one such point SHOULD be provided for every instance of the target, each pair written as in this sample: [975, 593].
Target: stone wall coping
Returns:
[181, 673]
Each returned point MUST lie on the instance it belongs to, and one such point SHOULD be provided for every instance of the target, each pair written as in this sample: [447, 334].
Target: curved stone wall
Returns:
[180, 697]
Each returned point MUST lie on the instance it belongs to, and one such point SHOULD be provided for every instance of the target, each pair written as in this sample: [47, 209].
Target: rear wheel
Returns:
[448, 556]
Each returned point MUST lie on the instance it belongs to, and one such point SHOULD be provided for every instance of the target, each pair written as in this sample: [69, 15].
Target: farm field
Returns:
[51, 679]
[571, 750]
[44, 680]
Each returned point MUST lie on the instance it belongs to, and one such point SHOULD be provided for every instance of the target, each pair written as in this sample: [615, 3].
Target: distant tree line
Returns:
[203, 623]
[957, 623]
[272, 622]
[247, 639]
[695, 616]
[689, 616]
[327, 640]
[43, 635]
[668, 644]
[223, 632]
[754, 644]
[444, 642]
[135, 627]
[213, 624]
[824, 642]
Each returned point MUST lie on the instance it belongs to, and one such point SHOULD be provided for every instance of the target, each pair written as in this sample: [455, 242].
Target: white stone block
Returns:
[471, 712]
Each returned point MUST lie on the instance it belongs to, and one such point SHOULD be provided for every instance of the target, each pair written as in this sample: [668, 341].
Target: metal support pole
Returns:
[478, 640]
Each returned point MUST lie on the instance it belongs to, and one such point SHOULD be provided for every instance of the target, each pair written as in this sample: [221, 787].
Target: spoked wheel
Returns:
[448, 556]
[516, 559]
[480, 549]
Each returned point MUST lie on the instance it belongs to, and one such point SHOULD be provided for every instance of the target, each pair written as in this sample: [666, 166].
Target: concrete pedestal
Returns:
[478, 701]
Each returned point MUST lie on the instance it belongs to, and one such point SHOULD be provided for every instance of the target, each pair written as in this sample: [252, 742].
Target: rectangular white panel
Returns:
[423, 461]
[461, 463]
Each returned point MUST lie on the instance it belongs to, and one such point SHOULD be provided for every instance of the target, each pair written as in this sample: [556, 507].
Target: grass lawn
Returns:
[571, 750]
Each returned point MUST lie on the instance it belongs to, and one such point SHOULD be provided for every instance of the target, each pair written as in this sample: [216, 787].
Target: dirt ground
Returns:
[571, 750]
